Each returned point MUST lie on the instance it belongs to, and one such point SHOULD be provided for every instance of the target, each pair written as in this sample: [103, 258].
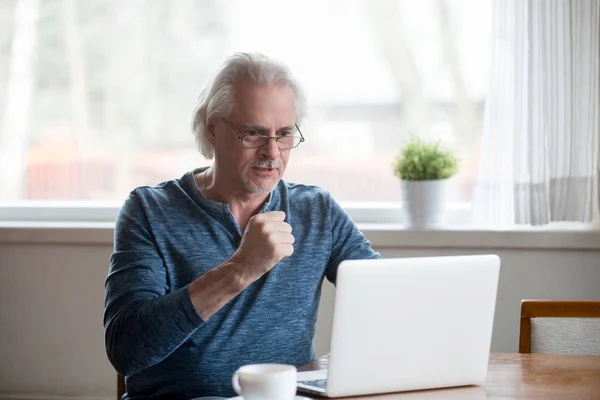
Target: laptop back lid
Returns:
[412, 323]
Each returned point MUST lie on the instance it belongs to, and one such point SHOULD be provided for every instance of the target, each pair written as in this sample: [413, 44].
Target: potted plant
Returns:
[424, 168]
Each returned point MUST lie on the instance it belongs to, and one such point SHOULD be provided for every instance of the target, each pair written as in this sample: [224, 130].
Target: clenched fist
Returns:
[266, 241]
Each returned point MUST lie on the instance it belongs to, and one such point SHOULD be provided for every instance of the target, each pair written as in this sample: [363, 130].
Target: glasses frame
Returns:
[241, 137]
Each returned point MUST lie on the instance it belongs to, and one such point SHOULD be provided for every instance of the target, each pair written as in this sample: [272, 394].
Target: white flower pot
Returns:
[424, 203]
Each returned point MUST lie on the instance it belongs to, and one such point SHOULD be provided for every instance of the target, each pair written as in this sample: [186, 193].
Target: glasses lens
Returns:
[285, 142]
[254, 141]
[288, 142]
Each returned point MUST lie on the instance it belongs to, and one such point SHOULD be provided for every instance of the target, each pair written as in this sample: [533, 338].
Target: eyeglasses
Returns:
[254, 140]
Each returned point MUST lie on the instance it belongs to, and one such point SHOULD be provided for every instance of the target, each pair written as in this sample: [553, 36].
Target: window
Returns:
[96, 97]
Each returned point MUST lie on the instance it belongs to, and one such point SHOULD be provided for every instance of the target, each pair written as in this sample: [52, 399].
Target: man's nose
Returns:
[270, 149]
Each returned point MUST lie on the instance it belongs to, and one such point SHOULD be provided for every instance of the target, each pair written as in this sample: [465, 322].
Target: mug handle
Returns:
[235, 382]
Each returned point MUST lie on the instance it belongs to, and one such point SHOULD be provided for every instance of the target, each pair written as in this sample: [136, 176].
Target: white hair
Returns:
[216, 100]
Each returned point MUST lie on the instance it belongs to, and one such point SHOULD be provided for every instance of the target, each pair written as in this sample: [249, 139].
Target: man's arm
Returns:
[143, 322]
[348, 243]
[266, 241]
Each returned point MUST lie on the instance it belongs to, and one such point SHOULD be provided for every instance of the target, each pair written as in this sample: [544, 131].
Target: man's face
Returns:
[263, 110]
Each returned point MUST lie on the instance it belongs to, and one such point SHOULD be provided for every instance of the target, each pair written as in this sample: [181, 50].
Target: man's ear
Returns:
[210, 132]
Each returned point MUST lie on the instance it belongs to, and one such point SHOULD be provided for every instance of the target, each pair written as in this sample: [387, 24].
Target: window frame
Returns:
[29, 211]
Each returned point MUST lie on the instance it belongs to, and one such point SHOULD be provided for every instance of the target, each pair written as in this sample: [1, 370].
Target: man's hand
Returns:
[266, 241]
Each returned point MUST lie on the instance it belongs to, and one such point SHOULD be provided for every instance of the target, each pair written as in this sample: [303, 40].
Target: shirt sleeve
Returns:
[144, 321]
[348, 243]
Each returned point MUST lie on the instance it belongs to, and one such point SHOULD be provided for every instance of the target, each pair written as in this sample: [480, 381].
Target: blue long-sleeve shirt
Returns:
[168, 235]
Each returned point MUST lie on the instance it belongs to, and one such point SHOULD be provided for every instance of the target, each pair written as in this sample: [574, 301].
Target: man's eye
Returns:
[285, 133]
[253, 133]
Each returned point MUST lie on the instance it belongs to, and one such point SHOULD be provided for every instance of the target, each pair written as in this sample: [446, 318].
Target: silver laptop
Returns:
[409, 324]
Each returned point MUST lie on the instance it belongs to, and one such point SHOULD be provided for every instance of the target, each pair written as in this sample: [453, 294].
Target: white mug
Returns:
[265, 382]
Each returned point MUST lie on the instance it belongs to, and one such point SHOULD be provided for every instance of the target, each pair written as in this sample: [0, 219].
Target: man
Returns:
[223, 267]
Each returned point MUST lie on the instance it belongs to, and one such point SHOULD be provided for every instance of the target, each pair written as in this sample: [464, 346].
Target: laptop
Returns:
[408, 324]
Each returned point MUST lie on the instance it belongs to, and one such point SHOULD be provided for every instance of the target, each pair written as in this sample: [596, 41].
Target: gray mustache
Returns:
[267, 164]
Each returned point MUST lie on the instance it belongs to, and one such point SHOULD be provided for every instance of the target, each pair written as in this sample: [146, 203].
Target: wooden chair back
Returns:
[120, 386]
[564, 327]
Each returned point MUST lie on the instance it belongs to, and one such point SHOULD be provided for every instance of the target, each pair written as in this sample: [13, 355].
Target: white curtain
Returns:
[540, 146]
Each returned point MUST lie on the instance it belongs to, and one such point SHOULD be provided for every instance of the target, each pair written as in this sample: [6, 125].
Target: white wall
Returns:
[51, 332]
[51, 302]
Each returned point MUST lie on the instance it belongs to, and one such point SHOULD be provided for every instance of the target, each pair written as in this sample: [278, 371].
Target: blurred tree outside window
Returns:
[96, 96]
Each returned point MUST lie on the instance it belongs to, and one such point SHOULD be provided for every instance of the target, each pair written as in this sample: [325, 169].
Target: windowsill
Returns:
[460, 237]
[381, 236]
[64, 233]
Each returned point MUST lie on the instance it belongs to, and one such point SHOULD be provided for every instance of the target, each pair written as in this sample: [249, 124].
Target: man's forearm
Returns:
[144, 333]
[210, 292]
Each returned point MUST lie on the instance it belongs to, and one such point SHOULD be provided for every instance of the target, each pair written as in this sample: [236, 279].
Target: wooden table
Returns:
[516, 376]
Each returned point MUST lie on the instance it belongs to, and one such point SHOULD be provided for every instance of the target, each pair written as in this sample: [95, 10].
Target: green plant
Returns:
[421, 160]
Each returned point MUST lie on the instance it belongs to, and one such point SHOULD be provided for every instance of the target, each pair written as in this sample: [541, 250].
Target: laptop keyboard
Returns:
[320, 383]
